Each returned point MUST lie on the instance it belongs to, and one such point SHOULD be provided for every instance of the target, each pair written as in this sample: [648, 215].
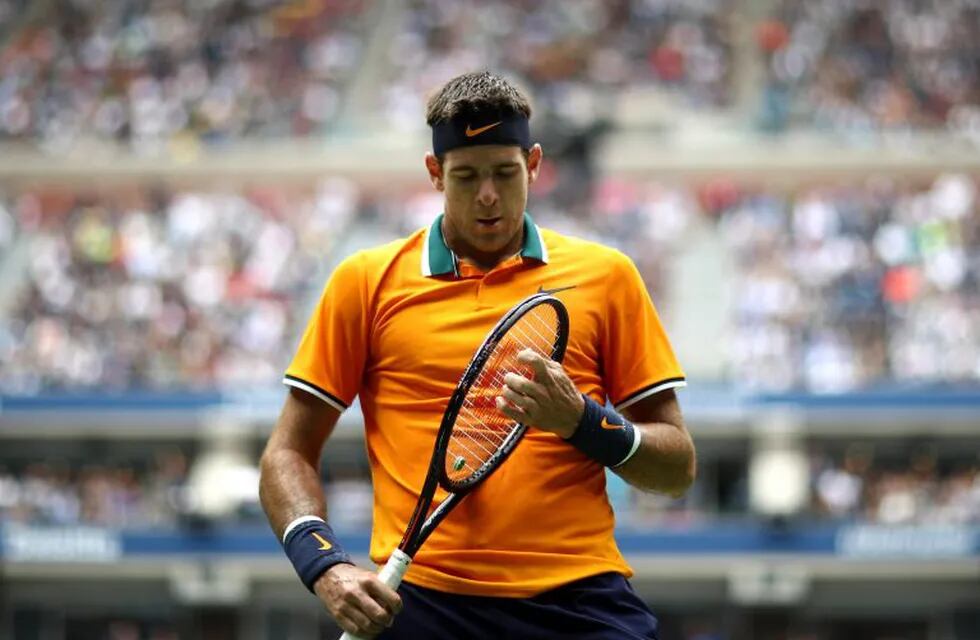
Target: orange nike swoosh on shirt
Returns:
[324, 545]
[475, 132]
[607, 425]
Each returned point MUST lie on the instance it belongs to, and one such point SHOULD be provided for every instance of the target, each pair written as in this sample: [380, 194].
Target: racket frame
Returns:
[422, 522]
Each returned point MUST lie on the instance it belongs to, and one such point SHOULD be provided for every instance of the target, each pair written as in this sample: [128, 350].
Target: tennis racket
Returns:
[474, 437]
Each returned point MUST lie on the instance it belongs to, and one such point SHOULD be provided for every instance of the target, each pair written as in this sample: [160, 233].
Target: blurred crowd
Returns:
[858, 66]
[173, 489]
[906, 488]
[115, 495]
[844, 286]
[152, 74]
[912, 491]
[836, 286]
[175, 74]
[166, 491]
[574, 55]
[161, 288]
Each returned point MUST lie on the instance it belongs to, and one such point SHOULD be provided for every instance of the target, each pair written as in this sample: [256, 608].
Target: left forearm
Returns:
[664, 462]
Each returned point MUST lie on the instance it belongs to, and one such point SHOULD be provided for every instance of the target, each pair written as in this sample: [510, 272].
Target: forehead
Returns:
[486, 155]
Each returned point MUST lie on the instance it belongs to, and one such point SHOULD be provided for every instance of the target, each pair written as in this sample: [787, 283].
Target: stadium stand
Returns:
[836, 284]
[567, 51]
[209, 280]
[154, 74]
[840, 286]
[860, 67]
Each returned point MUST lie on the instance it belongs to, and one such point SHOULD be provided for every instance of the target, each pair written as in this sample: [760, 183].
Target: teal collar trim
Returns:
[438, 259]
[533, 242]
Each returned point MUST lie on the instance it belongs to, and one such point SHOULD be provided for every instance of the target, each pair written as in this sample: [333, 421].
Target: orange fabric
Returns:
[400, 340]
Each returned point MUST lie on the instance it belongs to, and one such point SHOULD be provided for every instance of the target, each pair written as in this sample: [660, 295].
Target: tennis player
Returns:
[530, 554]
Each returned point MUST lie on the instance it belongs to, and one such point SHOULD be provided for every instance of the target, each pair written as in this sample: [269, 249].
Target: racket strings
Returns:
[481, 429]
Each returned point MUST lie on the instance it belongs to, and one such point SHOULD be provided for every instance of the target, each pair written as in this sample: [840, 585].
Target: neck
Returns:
[485, 260]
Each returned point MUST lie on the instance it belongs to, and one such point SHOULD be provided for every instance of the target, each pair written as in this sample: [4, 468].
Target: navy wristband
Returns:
[604, 435]
[313, 548]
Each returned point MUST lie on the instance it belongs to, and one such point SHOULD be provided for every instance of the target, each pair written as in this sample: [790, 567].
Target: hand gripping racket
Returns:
[474, 437]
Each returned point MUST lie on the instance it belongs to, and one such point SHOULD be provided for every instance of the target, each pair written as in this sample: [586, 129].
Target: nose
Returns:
[487, 195]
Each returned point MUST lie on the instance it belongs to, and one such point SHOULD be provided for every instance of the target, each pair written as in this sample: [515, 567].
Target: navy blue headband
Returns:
[466, 131]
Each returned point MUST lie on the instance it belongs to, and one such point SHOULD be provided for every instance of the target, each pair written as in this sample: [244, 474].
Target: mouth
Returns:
[488, 223]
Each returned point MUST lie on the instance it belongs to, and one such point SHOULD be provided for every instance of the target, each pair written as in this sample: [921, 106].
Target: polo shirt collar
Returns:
[438, 259]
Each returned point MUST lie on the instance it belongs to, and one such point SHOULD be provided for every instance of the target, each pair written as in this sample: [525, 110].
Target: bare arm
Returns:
[290, 482]
[665, 461]
[289, 487]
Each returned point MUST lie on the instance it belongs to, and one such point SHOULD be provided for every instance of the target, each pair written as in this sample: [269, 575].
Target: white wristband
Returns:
[298, 521]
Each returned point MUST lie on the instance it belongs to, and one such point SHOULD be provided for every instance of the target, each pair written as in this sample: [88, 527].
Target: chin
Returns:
[491, 247]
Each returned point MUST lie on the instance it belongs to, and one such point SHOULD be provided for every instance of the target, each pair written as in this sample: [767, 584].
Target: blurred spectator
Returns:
[860, 67]
[8, 227]
[155, 74]
[838, 490]
[162, 289]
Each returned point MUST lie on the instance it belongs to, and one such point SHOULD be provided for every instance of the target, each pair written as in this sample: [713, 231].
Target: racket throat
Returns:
[410, 546]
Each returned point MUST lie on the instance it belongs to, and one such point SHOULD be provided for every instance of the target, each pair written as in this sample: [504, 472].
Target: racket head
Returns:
[474, 437]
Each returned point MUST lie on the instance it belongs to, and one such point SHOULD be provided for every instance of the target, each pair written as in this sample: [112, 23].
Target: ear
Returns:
[534, 162]
[434, 167]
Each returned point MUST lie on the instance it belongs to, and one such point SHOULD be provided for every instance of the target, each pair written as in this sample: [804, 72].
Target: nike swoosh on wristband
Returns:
[475, 132]
[605, 424]
[324, 545]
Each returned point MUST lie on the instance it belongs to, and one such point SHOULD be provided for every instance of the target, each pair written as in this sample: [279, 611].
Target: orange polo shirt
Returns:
[398, 324]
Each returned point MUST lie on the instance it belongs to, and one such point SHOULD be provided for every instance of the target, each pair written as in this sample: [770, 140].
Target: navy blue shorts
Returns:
[602, 607]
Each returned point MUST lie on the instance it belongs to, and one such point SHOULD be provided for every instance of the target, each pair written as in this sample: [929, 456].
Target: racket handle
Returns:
[391, 574]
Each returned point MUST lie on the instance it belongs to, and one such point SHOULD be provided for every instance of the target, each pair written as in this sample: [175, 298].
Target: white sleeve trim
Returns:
[298, 521]
[299, 384]
[670, 384]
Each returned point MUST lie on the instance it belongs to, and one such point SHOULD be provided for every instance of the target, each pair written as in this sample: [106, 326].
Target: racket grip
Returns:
[391, 574]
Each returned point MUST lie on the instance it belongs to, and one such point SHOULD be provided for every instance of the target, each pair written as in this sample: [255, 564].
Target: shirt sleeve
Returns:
[637, 356]
[330, 360]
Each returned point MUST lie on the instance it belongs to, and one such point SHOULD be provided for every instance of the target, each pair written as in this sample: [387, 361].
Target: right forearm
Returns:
[289, 488]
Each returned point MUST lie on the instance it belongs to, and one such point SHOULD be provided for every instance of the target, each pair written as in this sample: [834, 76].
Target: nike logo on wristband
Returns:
[605, 424]
[324, 545]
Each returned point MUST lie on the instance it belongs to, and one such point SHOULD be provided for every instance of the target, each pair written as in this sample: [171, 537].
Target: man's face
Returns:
[486, 192]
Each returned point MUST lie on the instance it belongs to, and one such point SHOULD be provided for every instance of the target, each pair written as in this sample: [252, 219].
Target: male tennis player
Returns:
[530, 553]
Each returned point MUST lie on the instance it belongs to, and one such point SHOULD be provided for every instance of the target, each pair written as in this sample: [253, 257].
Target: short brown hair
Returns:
[473, 93]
